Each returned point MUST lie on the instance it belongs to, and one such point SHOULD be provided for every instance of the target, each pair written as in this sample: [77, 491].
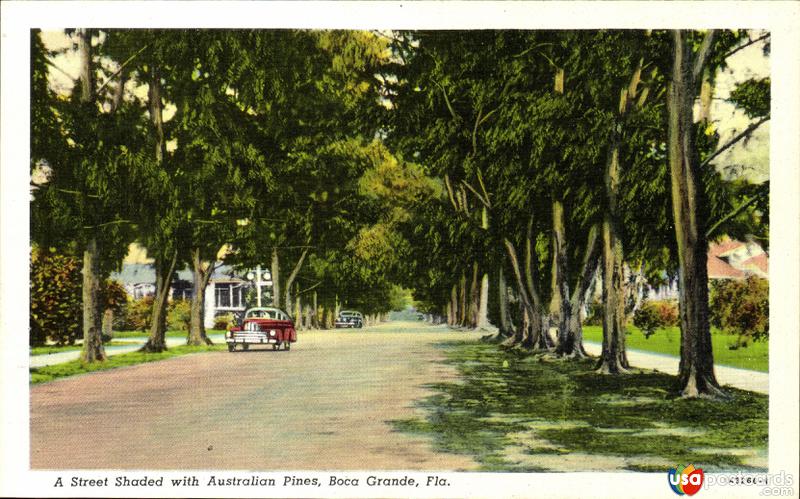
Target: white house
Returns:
[226, 292]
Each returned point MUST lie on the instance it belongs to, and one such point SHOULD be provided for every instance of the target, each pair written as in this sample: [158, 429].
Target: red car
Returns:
[262, 326]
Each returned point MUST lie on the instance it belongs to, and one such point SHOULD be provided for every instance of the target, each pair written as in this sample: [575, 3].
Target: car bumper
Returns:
[252, 338]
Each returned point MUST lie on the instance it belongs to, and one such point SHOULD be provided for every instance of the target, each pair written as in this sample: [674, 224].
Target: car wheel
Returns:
[231, 347]
[287, 345]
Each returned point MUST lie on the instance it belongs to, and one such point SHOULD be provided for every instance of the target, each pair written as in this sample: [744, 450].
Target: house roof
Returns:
[719, 269]
[138, 273]
[723, 247]
[758, 264]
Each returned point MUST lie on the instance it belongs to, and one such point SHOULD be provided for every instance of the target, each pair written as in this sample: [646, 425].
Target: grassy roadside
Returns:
[518, 412]
[668, 341]
[170, 334]
[50, 349]
[49, 373]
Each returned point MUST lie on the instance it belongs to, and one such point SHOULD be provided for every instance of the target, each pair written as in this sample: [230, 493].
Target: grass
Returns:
[49, 373]
[519, 412]
[170, 334]
[668, 341]
[50, 349]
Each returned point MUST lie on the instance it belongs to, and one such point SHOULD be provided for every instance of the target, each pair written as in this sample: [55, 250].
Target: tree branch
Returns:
[310, 288]
[121, 67]
[483, 187]
[453, 113]
[115, 222]
[484, 201]
[734, 213]
[749, 130]
[703, 54]
[741, 47]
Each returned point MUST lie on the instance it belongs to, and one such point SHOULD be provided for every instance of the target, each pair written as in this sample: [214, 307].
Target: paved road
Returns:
[755, 381]
[324, 405]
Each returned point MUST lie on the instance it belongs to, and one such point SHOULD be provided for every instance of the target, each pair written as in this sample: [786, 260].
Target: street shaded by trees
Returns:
[498, 175]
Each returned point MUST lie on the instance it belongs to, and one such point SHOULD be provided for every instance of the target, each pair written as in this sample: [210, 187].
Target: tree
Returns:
[80, 145]
[696, 372]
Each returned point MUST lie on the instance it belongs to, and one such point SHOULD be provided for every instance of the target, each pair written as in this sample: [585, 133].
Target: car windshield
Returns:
[265, 314]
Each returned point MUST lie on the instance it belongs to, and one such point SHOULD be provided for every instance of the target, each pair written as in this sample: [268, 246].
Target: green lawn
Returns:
[755, 356]
[48, 349]
[170, 334]
[513, 411]
[49, 373]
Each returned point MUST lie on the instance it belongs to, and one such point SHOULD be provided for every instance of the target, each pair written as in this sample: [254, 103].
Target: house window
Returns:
[228, 295]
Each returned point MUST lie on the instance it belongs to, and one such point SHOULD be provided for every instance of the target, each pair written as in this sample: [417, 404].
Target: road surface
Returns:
[325, 405]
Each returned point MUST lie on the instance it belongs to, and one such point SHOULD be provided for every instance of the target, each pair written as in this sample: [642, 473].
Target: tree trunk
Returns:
[275, 271]
[454, 305]
[92, 350]
[524, 331]
[613, 358]
[108, 323]
[298, 311]
[566, 341]
[539, 319]
[696, 371]
[588, 270]
[483, 306]
[202, 274]
[292, 276]
[462, 301]
[474, 298]
[502, 292]
[158, 323]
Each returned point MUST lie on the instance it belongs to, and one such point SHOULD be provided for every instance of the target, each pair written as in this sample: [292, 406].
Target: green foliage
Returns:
[654, 315]
[56, 310]
[741, 307]
[224, 321]
[137, 314]
[113, 296]
[752, 96]
[179, 315]
[55, 286]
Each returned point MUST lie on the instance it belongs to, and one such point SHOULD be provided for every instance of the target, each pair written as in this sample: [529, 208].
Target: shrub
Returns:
[223, 321]
[179, 315]
[655, 315]
[56, 308]
[113, 296]
[667, 311]
[138, 314]
[741, 308]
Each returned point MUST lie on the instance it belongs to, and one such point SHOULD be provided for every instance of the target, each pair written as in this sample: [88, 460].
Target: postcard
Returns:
[384, 249]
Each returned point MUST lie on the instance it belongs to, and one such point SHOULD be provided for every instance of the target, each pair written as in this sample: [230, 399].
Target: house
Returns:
[727, 259]
[731, 259]
[226, 292]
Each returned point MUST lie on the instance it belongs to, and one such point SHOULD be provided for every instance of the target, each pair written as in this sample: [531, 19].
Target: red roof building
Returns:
[731, 259]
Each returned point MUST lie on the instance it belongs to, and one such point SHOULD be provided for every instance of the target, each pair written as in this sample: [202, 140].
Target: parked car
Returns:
[349, 318]
[262, 326]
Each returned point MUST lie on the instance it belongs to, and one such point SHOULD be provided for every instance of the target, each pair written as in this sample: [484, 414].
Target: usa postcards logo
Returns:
[686, 480]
